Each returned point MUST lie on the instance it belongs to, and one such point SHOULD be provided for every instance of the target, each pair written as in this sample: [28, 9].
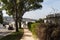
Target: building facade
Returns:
[53, 18]
[24, 22]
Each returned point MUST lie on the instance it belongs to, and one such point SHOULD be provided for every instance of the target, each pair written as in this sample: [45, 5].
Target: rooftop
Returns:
[24, 19]
[53, 15]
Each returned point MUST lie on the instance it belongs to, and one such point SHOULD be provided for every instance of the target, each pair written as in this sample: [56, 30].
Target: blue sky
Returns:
[48, 6]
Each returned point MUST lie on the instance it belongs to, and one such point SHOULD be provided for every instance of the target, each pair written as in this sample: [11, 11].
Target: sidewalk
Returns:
[27, 35]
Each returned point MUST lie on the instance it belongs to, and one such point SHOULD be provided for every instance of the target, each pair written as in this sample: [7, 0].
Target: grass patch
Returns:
[14, 36]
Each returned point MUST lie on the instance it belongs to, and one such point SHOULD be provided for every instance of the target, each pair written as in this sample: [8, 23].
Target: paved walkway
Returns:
[27, 35]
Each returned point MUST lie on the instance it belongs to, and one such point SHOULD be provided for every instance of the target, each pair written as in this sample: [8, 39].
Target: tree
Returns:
[1, 17]
[1, 14]
[17, 8]
[40, 21]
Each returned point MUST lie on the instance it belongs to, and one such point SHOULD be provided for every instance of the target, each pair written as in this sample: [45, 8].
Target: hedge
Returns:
[45, 31]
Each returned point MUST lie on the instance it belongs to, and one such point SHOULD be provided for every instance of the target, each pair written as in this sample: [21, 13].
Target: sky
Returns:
[49, 7]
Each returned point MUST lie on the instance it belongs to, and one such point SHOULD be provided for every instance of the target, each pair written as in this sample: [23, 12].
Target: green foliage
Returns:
[14, 36]
[29, 25]
[40, 21]
[4, 1]
[22, 5]
[45, 31]
[33, 28]
[17, 8]
[41, 31]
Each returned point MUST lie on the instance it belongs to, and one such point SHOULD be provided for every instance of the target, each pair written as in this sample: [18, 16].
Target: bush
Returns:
[40, 21]
[55, 35]
[41, 31]
[29, 25]
[46, 31]
[33, 28]
[50, 31]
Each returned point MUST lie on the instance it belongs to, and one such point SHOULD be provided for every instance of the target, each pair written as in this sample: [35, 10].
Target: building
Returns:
[53, 18]
[10, 21]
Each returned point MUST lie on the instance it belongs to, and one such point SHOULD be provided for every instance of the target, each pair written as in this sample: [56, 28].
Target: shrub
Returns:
[41, 31]
[33, 28]
[55, 35]
[50, 30]
[40, 21]
[29, 25]
[46, 31]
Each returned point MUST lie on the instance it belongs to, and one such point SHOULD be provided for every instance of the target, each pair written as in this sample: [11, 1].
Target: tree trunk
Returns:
[16, 24]
[19, 24]
[20, 19]
[1, 17]
[16, 15]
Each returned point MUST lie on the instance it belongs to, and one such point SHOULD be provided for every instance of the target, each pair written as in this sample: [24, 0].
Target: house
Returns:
[24, 22]
[53, 18]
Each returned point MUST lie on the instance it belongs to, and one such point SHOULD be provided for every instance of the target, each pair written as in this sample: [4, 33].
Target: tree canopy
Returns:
[22, 5]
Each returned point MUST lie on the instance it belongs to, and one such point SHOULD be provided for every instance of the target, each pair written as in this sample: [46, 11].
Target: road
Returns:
[4, 31]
